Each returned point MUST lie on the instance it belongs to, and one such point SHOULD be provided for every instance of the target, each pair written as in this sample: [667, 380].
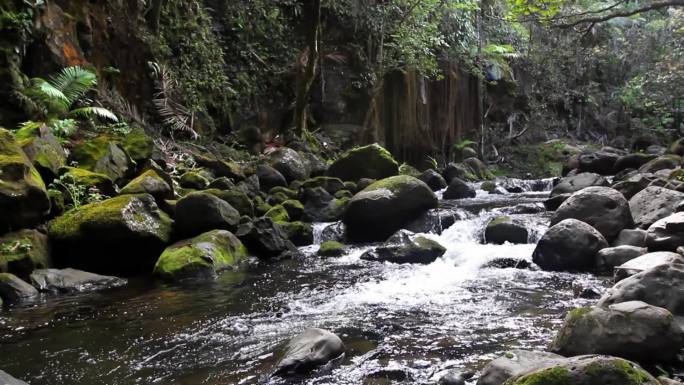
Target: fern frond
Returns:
[74, 82]
[88, 112]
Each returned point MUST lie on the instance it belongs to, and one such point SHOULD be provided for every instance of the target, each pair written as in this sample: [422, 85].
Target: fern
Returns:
[175, 116]
[89, 112]
[74, 82]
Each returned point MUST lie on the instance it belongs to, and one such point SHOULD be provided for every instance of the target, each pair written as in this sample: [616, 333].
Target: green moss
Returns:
[343, 194]
[499, 221]
[300, 233]
[330, 249]
[236, 198]
[23, 251]
[330, 184]
[618, 368]
[488, 186]
[575, 315]
[138, 145]
[278, 214]
[207, 253]
[391, 183]
[88, 153]
[536, 160]
[407, 169]
[284, 191]
[279, 198]
[294, 208]
[372, 161]
[192, 179]
[549, 376]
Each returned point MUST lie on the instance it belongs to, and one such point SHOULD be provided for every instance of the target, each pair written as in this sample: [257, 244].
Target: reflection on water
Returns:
[411, 321]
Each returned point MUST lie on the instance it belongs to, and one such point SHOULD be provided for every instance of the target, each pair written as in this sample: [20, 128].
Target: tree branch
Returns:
[625, 13]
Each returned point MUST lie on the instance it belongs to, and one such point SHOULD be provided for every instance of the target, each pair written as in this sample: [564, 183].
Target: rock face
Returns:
[634, 330]
[515, 363]
[289, 163]
[199, 212]
[666, 234]
[607, 259]
[571, 184]
[72, 280]
[6, 379]
[372, 161]
[311, 349]
[646, 262]
[569, 245]
[603, 208]
[588, 370]
[503, 229]
[661, 286]
[433, 179]
[653, 203]
[204, 255]
[23, 198]
[14, 290]
[119, 235]
[459, 189]
[385, 206]
[23, 251]
[402, 247]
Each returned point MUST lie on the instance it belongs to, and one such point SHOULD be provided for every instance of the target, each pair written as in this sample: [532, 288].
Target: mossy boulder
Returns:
[88, 178]
[343, 194]
[478, 168]
[458, 171]
[23, 197]
[199, 212]
[221, 168]
[330, 249]
[103, 155]
[665, 162]
[151, 183]
[372, 161]
[138, 145]
[43, 149]
[330, 184]
[320, 206]
[261, 207]
[124, 234]
[204, 255]
[294, 208]
[286, 192]
[193, 180]
[299, 233]
[23, 251]
[385, 206]
[405, 247]
[236, 198]
[588, 370]
[278, 214]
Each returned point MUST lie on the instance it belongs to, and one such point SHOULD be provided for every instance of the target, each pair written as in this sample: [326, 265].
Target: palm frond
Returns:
[176, 116]
[74, 82]
[89, 112]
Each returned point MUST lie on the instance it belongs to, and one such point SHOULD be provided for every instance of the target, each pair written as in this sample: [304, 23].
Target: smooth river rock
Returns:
[309, 350]
[72, 280]
[652, 204]
[570, 245]
[515, 363]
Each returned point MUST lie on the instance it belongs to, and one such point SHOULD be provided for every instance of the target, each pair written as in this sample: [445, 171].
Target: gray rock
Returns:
[504, 229]
[609, 258]
[600, 162]
[403, 247]
[320, 206]
[632, 186]
[603, 208]
[631, 237]
[664, 162]
[634, 330]
[515, 363]
[264, 238]
[571, 184]
[645, 262]
[309, 350]
[6, 379]
[634, 161]
[14, 290]
[454, 378]
[459, 189]
[269, 177]
[552, 204]
[433, 179]
[569, 245]
[661, 286]
[200, 212]
[289, 163]
[666, 234]
[72, 280]
[652, 204]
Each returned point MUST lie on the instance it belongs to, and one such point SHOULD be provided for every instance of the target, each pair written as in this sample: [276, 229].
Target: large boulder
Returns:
[433, 179]
[14, 290]
[236, 198]
[653, 203]
[666, 234]
[199, 212]
[43, 149]
[138, 145]
[603, 208]
[289, 163]
[385, 206]
[151, 183]
[264, 238]
[320, 206]
[661, 286]
[72, 280]
[478, 168]
[574, 183]
[632, 185]
[609, 258]
[631, 237]
[372, 161]
[119, 235]
[23, 251]
[588, 370]
[504, 229]
[88, 179]
[646, 262]
[309, 350]
[404, 247]
[269, 177]
[633, 161]
[600, 162]
[459, 189]
[23, 198]
[515, 363]
[634, 330]
[205, 255]
[569, 245]
[103, 156]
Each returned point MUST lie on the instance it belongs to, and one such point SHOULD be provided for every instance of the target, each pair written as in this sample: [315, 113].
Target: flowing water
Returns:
[400, 323]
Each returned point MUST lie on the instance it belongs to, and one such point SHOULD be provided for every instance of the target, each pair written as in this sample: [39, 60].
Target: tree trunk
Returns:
[306, 67]
[155, 15]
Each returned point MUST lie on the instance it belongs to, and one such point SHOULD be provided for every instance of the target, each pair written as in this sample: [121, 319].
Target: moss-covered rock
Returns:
[221, 168]
[407, 169]
[478, 168]
[330, 249]
[343, 194]
[193, 180]
[23, 198]
[286, 192]
[124, 234]
[87, 178]
[103, 155]
[677, 147]
[43, 149]
[299, 233]
[205, 255]
[664, 162]
[236, 198]
[151, 183]
[200, 211]
[14, 290]
[278, 214]
[138, 145]
[261, 207]
[503, 229]
[23, 251]
[371, 161]
[330, 184]
[294, 208]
